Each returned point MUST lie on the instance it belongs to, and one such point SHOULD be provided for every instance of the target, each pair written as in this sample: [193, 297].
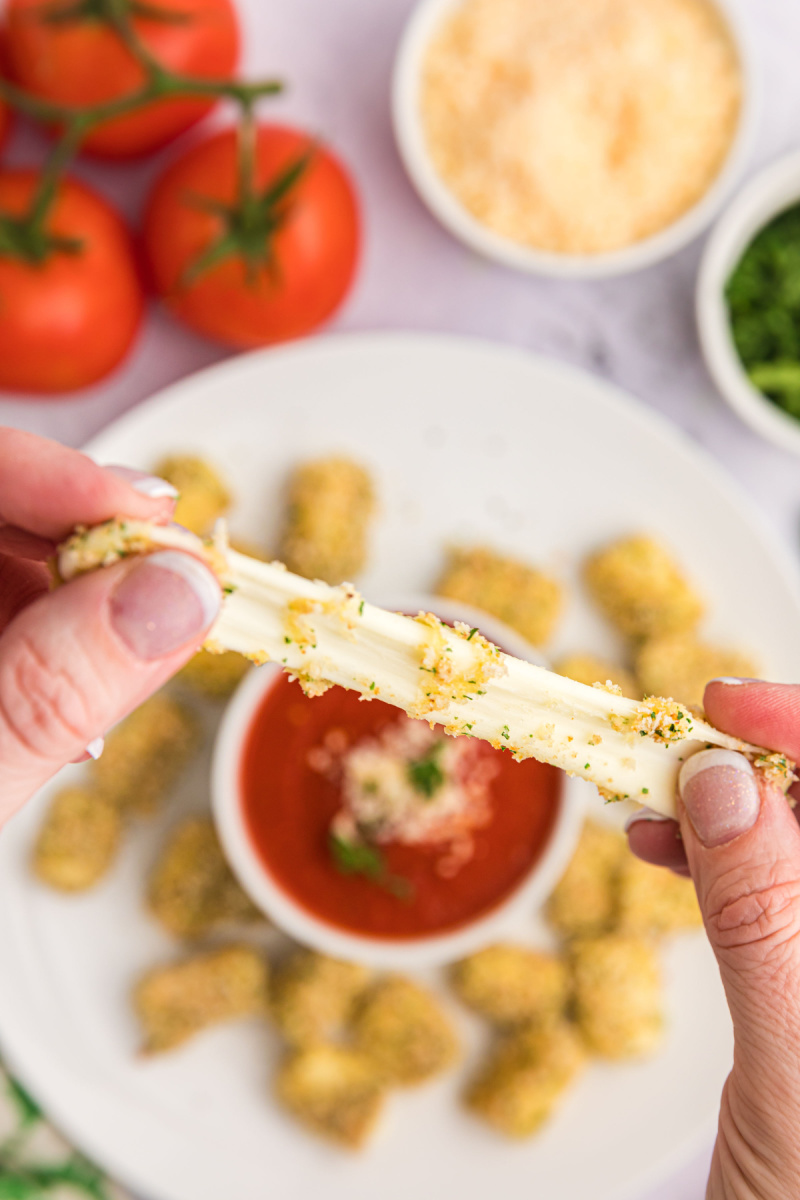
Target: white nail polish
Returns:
[95, 747]
[155, 488]
[151, 486]
[706, 759]
[731, 681]
[644, 814]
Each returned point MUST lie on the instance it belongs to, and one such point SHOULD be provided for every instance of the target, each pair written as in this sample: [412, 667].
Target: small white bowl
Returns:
[767, 194]
[512, 916]
[444, 205]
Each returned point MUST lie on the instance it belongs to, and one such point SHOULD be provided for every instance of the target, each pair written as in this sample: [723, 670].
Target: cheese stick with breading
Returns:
[453, 677]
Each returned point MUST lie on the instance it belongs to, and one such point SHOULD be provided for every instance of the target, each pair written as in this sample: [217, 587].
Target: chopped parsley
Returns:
[361, 609]
[472, 631]
[358, 858]
[425, 775]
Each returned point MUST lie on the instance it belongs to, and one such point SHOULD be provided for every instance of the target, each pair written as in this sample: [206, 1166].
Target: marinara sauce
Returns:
[288, 809]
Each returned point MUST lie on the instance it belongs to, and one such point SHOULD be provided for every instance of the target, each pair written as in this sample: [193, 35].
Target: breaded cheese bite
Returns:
[402, 1029]
[513, 985]
[144, 755]
[175, 1002]
[78, 840]
[514, 592]
[584, 900]
[203, 496]
[313, 995]
[330, 504]
[525, 1077]
[216, 676]
[679, 665]
[192, 890]
[641, 589]
[334, 1091]
[652, 901]
[588, 669]
[617, 995]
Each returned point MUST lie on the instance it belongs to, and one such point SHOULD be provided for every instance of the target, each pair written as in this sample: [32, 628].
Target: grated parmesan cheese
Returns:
[580, 126]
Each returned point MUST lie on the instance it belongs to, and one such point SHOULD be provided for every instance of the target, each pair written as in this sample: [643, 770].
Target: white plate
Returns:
[466, 440]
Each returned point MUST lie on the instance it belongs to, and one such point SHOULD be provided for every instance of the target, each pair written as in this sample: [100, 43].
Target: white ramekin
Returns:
[451, 213]
[512, 916]
[768, 193]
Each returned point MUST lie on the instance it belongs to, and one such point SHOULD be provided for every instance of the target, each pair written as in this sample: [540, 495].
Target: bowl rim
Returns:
[511, 916]
[454, 217]
[773, 189]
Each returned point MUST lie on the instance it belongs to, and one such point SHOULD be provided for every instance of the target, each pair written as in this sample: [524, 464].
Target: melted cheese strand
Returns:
[325, 635]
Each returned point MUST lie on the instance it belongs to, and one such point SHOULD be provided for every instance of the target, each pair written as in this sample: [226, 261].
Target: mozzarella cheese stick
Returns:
[454, 677]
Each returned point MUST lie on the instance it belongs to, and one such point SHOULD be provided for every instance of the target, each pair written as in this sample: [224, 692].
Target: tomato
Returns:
[69, 320]
[5, 123]
[283, 280]
[81, 61]
[5, 112]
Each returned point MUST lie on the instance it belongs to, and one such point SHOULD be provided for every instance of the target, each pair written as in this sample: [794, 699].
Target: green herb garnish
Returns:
[763, 297]
[358, 858]
[425, 775]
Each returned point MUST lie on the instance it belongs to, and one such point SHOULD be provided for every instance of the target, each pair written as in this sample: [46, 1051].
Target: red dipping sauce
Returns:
[288, 808]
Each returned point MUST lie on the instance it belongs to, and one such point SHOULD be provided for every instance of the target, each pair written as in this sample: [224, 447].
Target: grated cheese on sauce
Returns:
[580, 126]
[411, 785]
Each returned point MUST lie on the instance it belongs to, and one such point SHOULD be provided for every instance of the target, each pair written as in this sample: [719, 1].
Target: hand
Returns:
[76, 660]
[740, 841]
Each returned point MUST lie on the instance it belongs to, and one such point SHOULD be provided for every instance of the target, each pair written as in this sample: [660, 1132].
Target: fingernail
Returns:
[165, 601]
[149, 485]
[732, 681]
[95, 748]
[720, 794]
[644, 814]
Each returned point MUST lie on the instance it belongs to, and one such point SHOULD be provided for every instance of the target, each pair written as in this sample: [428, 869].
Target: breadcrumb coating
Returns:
[334, 1091]
[520, 595]
[401, 1028]
[584, 901]
[524, 1078]
[203, 496]
[617, 995]
[589, 669]
[652, 901]
[680, 665]
[145, 754]
[313, 995]
[176, 1002]
[78, 840]
[192, 890]
[330, 504]
[513, 985]
[216, 676]
[641, 589]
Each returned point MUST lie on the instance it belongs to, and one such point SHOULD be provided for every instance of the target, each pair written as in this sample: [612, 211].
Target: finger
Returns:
[48, 489]
[657, 840]
[765, 713]
[743, 846]
[21, 544]
[77, 660]
[20, 584]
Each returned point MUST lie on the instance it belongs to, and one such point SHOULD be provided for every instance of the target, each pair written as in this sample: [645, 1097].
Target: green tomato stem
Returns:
[78, 123]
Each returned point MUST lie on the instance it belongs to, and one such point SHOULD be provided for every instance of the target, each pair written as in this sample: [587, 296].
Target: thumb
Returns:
[743, 845]
[77, 660]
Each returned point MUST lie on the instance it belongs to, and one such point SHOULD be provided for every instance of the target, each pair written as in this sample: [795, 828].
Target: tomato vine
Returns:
[27, 237]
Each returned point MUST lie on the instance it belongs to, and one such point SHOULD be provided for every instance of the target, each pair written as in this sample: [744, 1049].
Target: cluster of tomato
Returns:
[245, 278]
